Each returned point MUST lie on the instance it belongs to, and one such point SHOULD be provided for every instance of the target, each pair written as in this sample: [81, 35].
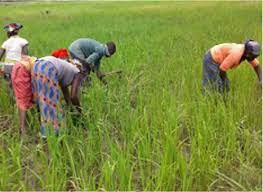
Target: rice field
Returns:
[151, 129]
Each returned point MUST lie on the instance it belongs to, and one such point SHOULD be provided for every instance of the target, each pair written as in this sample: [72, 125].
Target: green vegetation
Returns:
[152, 129]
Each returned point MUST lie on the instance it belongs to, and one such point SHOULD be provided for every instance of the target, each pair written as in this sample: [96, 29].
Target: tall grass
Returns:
[152, 129]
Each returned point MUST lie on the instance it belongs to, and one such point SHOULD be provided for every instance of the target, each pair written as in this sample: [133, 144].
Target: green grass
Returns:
[152, 129]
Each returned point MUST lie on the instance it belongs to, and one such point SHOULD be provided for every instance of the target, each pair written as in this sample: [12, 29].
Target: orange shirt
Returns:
[228, 55]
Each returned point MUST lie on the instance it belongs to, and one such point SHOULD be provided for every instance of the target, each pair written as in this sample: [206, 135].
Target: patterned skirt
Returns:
[45, 87]
[21, 81]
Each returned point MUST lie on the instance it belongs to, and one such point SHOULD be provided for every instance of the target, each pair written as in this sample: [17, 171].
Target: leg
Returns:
[22, 121]
[21, 82]
[8, 72]
[9, 87]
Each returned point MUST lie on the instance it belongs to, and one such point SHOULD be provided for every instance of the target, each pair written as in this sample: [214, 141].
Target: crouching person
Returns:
[49, 74]
[90, 52]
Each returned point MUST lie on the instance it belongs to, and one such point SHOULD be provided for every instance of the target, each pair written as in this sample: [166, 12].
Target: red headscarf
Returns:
[61, 53]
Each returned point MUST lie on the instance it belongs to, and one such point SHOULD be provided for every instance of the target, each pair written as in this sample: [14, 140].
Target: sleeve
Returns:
[229, 61]
[254, 63]
[23, 42]
[97, 66]
[68, 65]
[93, 59]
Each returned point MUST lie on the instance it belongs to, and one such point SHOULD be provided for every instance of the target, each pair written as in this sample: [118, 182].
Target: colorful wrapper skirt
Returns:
[21, 81]
[45, 84]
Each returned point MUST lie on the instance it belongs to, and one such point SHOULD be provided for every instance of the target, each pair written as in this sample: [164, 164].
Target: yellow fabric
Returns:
[10, 61]
[28, 62]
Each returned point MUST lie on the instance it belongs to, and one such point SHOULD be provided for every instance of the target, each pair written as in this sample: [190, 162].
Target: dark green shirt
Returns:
[90, 51]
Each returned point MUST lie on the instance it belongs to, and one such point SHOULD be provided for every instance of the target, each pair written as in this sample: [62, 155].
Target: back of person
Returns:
[13, 47]
[229, 55]
[85, 47]
[222, 51]
[66, 71]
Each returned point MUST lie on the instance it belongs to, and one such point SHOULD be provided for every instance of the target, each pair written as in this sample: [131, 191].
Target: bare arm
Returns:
[2, 52]
[75, 89]
[65, 92]
[223, 75]
[25, 50]
[258, 71]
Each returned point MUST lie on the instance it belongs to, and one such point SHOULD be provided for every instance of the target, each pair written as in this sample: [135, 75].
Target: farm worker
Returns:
[220, 58]
[21, 81]
[89, 52]
[12, 48]
[48, 75]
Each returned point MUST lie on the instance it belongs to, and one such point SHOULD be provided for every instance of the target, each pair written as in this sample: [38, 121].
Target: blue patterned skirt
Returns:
[45, 85]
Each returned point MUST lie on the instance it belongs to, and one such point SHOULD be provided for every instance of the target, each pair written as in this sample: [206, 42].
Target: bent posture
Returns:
[220, 58]
[89, 52]
[48, 75]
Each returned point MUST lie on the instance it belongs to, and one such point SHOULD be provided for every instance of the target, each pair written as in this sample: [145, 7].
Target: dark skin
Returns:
[22, 121]
[66, 94]
[100, 75]
[2, 53]
[89, 67]
[25, 50]
[223, 75]
[257, 70]
[72, 97]
[10, 34]
[249, 57]
[22, 112]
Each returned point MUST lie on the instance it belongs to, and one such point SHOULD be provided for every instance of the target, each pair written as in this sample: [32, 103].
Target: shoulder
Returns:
[237, 49]
[5, 43]
[22, 40]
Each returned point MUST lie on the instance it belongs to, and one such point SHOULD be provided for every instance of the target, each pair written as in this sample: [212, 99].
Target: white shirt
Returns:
[13, 48]
[66, 71]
